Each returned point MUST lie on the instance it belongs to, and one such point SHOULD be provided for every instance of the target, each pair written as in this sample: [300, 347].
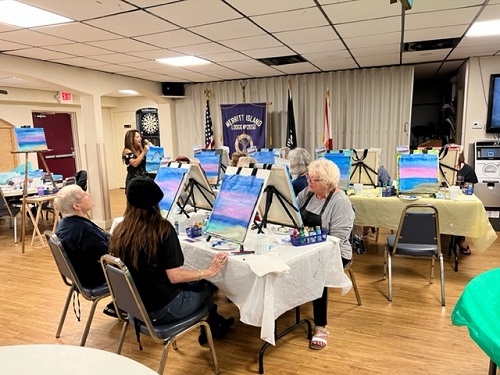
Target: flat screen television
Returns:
[493, 119]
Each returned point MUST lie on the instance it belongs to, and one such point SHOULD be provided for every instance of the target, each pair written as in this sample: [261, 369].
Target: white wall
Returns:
[476, 98]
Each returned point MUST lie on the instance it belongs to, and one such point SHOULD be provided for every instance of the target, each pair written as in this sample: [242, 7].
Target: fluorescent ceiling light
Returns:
[22, 15]
[485, 28]
[129, 92]
[183, 61]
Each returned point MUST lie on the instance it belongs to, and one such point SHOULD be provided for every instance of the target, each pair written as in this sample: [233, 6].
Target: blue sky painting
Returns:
[31, 139]
[169, 180]
[234, 207]
[210, 162]
[343, 161]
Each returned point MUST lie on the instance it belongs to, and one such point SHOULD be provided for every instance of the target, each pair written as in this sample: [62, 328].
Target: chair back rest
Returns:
[419, 225]
[64, 265]
[81, 179]
[123, 289]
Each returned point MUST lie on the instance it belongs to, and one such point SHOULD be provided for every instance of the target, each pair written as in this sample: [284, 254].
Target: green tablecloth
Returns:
[479, 309]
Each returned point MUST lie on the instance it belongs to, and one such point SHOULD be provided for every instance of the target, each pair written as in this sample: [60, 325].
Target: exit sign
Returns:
[65, 97]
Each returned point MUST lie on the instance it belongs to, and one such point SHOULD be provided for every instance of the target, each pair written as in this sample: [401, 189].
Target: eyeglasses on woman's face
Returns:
[312, 178]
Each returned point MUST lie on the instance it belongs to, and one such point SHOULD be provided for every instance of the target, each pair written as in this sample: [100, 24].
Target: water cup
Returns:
[358, 189]
[453, 191]
[40, 190]
[261, 244]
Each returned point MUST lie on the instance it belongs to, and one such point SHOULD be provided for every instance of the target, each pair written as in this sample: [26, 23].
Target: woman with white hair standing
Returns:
[324, 204]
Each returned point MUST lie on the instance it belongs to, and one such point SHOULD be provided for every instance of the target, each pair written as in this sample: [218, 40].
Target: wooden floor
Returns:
[411, 335]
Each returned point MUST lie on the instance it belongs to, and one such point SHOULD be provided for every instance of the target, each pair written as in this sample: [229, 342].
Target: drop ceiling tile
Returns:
[77, 32]
[433, 5]
[479, 41]
[117, 58]
[201, 49]
[263, 71]
[5, 45]
[443, 18]
[132, 24]
[210, 11]
[82, 9]
[378, 26]
[315, 34]
[373, 40]
[239, 28]
[292, 20]
[226, 56]
[353, 11]
[464, 52]
[332, 45]
[492, 12]
[269, 52]
[425, 56]
[155, 54]
[79, 61]
[298, 68]
[123, 45]
[113, 68]
[241, 65]
[229, 75]
[326, 56]
[38, 53]
[256, 7]
[32, 38]
[434, 33]
[375, 50]
[150, 3]
[79, 49]
[144, 65]
[252, 42]
[170, 39]
[378, 60]
[341, 64]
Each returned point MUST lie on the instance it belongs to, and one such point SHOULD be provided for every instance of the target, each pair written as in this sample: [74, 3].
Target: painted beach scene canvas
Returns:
[418, 173]
[230, 219]
[31, 139]
[343, 161]
[210, 162]
[170, 181]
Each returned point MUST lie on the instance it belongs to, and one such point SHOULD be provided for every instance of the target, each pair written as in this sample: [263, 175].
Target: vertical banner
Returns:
[244, 125]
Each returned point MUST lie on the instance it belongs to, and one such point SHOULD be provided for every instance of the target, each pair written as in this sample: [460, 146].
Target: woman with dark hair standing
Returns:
[149, 247]
[134, 156]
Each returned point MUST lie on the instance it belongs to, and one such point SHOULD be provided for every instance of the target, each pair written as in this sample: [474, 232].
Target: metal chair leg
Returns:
[389, 278]
[385, 262]
[441, 266]
[64, 312]
[122, 337]
[355, 286]
[89, 322]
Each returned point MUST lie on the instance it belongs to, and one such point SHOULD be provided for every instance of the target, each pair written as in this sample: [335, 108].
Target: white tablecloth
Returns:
[261, 300]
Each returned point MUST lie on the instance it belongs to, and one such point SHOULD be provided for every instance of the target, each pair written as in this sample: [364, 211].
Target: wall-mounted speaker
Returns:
[172, 89]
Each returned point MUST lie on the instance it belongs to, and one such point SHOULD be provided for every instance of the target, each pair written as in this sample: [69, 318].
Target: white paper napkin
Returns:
[267, 263]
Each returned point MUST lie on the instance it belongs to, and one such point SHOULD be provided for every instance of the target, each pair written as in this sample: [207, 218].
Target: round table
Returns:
[66, 359]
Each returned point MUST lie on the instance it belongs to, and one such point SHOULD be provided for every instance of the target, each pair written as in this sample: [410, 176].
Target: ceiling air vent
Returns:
[429, 45]
[282, 60]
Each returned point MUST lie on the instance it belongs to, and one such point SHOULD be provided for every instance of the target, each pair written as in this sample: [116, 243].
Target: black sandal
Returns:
[464, 250]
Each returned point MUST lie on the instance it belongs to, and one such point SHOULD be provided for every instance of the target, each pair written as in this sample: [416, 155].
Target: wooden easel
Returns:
[25, 187]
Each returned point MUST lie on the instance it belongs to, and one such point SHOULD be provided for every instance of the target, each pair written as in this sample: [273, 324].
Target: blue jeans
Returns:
[184, 304]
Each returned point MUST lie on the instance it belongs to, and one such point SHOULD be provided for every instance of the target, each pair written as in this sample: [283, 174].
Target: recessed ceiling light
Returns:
[129, 92]
[485, 28]
[183, 61]
[23, 15]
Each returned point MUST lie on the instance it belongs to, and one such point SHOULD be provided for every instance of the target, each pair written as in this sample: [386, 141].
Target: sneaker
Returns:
[109, 310]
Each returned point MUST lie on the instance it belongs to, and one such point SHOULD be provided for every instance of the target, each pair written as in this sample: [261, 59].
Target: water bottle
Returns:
[176, 227]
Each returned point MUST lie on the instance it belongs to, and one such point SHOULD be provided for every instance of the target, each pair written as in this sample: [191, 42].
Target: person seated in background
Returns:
[235, 157]
[299, 162]
[148, 245]
[324, 204]
[468, 175]
[383, 178]
[245, 161]
[83, 241]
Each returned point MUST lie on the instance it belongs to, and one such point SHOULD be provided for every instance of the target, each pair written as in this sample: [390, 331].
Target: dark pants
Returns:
[320, 305]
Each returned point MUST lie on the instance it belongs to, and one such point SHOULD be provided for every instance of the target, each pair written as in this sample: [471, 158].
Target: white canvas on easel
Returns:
[235, 205]
[283, 206]
[199, 192]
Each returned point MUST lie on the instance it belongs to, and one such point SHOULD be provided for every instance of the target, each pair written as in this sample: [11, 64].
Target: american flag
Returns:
[209, 134]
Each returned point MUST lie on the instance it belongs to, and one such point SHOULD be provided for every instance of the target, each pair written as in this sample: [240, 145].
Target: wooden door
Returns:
[8, 161]
[59, 135]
